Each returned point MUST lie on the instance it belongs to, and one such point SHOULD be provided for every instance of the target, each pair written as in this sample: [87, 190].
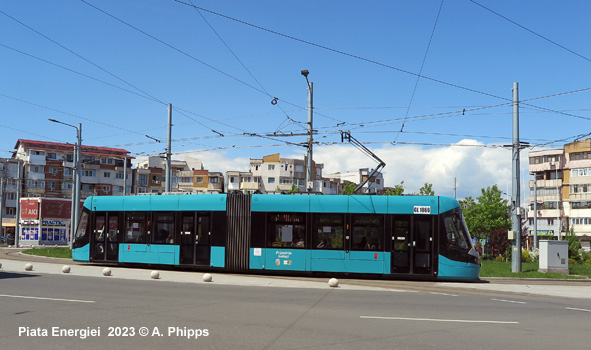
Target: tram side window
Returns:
[164, 229]
[328, 232]
[82, 238]
[135, 228]
[456, 233]
[367, 232]
[286, 230]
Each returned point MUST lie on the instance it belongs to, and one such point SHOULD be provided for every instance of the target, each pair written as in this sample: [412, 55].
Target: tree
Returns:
[397, 190]
[294, 189]
[426, 190]
[349, 189]
[489, 212]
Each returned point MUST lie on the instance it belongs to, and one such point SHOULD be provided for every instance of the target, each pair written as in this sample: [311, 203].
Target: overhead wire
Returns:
[358, 57]
[531, 31]
[420, 71]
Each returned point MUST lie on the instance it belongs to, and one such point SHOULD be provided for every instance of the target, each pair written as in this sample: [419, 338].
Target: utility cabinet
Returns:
[554, 256]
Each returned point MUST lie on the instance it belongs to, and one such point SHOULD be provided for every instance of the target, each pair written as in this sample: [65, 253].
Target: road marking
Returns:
[41, 298]
[572, 308]
[510, 301]
[438, 320]
[437, 293]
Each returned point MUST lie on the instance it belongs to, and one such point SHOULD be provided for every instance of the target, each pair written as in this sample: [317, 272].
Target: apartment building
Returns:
[374, 184]
[48, 169]
[188, 176]
[273, 174]
[8, 189]
[562, 191]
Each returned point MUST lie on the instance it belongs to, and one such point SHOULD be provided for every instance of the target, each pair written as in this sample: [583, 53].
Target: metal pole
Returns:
[17, 227]
[73, 207]
[557, 162]
[125, 175]
[535, 213]
[168, 152]
[78, 178]
[1, 204]
[516, 202]
[309, 174]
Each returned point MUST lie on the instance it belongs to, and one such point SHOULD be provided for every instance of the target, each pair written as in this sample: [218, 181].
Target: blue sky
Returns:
[70, 61]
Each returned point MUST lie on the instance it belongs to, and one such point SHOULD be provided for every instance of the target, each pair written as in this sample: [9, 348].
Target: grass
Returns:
[53, 252]
[493, 268]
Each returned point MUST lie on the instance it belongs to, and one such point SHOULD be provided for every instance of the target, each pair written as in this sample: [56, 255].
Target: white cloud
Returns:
[473, 164]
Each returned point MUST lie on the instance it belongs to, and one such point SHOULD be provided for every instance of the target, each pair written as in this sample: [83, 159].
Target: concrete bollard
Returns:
[29, 267]
[333, 282]
[207, 277]
[66, 269]
[106, 271]
[155, 275]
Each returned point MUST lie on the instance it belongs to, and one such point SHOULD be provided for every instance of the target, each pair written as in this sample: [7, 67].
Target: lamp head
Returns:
[305, 73]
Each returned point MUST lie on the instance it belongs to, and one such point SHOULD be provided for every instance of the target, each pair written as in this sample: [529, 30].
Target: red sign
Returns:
[29, 209]
[54, 209]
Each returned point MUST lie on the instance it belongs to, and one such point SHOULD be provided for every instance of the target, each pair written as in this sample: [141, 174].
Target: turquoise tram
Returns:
[391, 236]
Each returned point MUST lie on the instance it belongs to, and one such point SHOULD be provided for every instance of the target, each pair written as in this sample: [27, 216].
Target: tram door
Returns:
[105, 237]
[195, 239]
[412, 245]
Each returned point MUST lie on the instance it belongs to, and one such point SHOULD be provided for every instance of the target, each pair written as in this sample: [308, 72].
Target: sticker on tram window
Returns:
[258, 252]
[419, 209]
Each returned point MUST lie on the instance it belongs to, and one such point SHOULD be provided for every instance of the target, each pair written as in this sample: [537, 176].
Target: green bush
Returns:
[525, 256]
[571, 261]
[500, 258]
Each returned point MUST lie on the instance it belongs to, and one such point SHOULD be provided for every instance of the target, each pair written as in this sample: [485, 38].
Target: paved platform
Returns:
[553, 288]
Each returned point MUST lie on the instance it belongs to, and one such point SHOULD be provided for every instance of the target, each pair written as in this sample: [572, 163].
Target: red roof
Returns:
[88, 150]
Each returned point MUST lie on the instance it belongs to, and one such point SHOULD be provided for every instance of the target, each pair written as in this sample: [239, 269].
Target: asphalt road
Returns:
[210, 316]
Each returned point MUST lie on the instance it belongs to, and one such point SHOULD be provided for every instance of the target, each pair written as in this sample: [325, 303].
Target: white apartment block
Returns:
[563, 191]
[375, 184]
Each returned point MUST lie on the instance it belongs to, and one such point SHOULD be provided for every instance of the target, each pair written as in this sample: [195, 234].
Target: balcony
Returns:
[546, 183]
[250, 186]
[580, 197]
[36, 176]
[35, 159]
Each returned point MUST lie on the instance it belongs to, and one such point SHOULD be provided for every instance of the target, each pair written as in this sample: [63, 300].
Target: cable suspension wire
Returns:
[420, 71]
[531, 31]
[359, 57]
[79, 56]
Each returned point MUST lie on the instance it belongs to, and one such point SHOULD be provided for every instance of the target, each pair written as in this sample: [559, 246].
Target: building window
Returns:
[143, 179]
[271, 167]
[550, 222]
[10, 211]
[69, 157]
[198, 180]
[68, 172]
[35, 169]
[107, 174]
[580, 172]
[51, 156]
[106, 189]
[52, 171]
[109, 161]
[51, 185]
[91, 173]
[66, 186]
[214, 180]
[119, 175]
[271, 180]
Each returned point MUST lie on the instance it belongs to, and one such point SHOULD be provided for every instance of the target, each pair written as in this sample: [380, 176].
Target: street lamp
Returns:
[309, 174]
[76, 188]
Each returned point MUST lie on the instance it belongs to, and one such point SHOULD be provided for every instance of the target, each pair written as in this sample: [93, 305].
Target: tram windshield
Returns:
[456, 230]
